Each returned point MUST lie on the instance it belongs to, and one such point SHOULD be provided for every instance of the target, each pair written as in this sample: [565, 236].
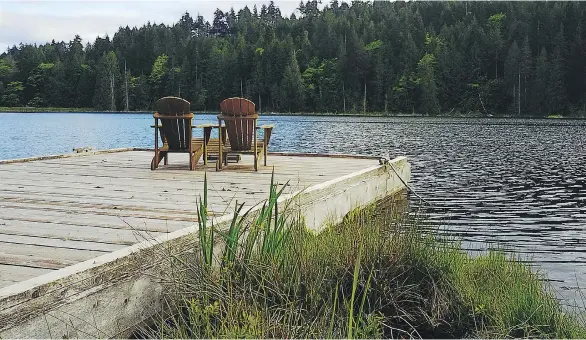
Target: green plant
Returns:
[379, 274]
[206, 235]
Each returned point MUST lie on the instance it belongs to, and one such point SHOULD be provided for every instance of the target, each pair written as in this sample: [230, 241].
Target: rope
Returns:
[409, 188]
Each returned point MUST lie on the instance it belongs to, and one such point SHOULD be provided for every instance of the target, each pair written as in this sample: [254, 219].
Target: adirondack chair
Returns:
[175, 132]
[239, 134]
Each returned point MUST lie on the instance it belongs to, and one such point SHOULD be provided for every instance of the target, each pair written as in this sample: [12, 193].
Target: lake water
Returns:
[517, 184]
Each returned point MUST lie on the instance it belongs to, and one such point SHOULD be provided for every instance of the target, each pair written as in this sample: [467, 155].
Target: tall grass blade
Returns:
[354, 287]
[364, 297]
[233, 236]
[206, 238]
[333, 318]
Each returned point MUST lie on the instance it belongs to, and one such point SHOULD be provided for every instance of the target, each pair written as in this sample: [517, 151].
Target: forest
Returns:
[425, 58]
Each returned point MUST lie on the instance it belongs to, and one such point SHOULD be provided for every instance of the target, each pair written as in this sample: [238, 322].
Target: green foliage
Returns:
[107, 80]
[292, 95]
[496, 20]
[13, 94]
[373, 46]
[160, 69]
[426, 81]
[206, 233]
[378, 274]
[338, 50]
[6, 68]
[433, 44]
[43, 82]
[46, 66]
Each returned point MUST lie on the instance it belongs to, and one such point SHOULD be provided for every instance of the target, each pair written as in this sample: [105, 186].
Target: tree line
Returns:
[489, 58]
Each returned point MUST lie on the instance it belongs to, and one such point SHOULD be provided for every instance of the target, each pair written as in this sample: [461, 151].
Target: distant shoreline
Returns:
[309, 114]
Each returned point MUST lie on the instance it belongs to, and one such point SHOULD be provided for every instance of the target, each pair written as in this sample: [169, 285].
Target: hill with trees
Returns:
[491, 58]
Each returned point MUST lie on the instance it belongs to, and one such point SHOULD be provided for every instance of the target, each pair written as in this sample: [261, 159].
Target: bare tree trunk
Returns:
[196, 64]
[496, 66]
[481, 103]
[386, 96]
[525, 89]
[126, 87]
[241, 93]
[514, 97]
[364, 102]
[519, 101]
[344, 96]
[112, 104]
[259, 103]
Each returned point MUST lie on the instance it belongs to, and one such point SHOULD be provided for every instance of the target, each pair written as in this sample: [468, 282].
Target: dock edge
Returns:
[109, 295]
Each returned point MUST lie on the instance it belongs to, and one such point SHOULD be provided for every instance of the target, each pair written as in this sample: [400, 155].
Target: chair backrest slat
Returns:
[177, 131]
[240, 131]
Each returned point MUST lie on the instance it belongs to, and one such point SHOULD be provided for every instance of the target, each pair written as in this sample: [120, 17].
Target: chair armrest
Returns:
[207, 130]
[268, 130]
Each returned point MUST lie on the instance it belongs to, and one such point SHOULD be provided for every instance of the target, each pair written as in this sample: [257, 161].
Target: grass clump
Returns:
[378, 274]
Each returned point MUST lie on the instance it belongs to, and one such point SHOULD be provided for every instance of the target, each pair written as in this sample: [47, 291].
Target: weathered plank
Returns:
[64, 243]
[19, 272]
[64, 218]
[76, 232]
[50, 252]
[59, 211]
[19, 261]
[222, 192]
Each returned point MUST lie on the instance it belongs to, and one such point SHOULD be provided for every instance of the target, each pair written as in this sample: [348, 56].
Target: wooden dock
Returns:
[63, 217]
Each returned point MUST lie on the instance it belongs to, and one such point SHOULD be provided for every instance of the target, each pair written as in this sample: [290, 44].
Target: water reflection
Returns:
[517, 184]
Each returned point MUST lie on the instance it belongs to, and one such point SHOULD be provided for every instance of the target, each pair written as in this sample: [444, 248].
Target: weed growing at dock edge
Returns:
[377, 274]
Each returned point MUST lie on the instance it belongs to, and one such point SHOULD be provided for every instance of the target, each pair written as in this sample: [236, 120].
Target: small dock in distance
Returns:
[64, 217]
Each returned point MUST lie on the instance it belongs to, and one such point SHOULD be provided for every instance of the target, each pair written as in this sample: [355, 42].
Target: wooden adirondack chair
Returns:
[175, 131]
[239, 116]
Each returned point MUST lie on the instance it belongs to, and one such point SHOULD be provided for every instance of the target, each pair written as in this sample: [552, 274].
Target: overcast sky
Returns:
[41, 21]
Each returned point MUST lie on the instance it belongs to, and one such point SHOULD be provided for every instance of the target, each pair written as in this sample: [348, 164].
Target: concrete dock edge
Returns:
[109, 295]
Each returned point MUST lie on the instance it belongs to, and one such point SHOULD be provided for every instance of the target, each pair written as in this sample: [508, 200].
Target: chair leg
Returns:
[154, 162]
[166, 159]
[264, 151]
[255, 162]
[157, 159]
[195, 158]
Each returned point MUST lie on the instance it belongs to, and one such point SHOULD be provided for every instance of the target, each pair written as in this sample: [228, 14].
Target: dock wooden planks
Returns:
[58, 212]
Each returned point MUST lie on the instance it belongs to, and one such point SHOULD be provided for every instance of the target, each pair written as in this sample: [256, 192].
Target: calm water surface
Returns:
[517, 184]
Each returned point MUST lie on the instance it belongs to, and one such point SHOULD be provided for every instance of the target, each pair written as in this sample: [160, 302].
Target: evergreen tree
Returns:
[540, 84]
[292, 96]
[526, 75]
[107, 76]
[556, 89]
[13, 94]
[513, 76]
[159, 74]
[384, 56]
[428, 103]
